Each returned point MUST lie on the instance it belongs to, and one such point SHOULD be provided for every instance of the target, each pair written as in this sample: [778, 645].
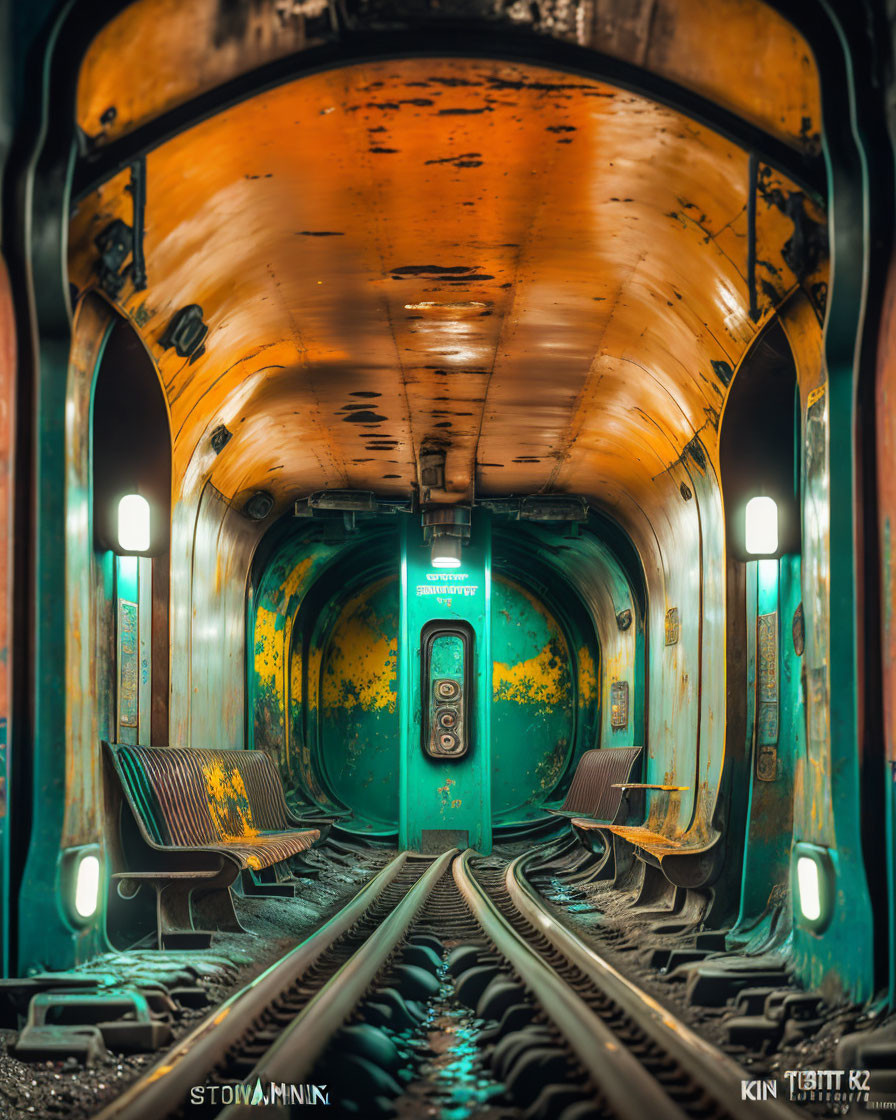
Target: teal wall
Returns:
[533, 718]
[324, 629]
[776, 732]
[358, 727]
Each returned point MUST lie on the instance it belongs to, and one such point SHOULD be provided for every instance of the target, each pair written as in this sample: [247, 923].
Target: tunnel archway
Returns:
[322, 690]
[842, 376]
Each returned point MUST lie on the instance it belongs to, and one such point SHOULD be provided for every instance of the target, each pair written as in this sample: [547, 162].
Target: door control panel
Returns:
[447, 649]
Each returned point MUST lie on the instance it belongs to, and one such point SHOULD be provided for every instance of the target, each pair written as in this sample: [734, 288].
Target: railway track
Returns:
[566, 1036]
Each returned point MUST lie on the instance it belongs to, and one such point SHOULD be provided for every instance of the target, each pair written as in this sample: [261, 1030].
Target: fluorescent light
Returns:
[809, 888]
[446, 552]
[87, 886]
[762, 526]
[133, 523]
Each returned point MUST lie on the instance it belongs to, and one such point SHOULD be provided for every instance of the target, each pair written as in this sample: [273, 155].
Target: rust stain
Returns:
[157, 53]
[463, 337]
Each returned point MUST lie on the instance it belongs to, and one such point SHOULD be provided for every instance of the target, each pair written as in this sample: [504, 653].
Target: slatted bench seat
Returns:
[595, 797]
[596, 789]
[216, 813]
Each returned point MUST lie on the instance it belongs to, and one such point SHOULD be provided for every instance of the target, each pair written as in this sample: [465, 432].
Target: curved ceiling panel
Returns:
[546, 275]
[741, 54]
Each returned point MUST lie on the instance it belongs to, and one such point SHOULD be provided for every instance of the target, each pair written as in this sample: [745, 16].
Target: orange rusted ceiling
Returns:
[537, 270]
[742, 54]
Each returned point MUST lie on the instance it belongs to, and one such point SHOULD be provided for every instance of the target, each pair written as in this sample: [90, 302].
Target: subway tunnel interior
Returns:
[439, 420]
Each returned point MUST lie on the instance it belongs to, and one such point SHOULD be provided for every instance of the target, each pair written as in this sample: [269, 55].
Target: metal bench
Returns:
[682, 857]
[203, 817]
[594, 798]
[596, 791]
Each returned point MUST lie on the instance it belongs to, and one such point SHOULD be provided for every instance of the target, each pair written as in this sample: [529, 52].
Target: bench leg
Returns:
[623, 863]
[174, 921]
[214, 909]
[267, 887]
[657, 895]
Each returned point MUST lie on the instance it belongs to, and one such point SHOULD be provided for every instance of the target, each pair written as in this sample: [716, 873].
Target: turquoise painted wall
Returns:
[776, 734]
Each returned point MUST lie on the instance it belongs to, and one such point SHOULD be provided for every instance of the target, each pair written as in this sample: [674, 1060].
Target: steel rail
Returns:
[615, 1072]
[703, 1061]
[165, 1087]
[293, 1055]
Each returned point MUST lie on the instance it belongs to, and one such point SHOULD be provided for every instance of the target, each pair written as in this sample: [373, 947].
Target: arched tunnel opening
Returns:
[446, 652]
[324, 631]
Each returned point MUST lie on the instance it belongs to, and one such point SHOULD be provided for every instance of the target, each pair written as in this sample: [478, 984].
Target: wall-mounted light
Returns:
[813, 885]
[81, 882]
[809, 884]
[445, 530]
[761, 526]
[446, 552]
[87, 886]
[133, 523]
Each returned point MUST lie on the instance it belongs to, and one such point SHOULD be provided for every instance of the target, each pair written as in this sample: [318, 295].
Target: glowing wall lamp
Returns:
[446, 552]
[445, 529]
[133, 523]
[87, 886]
[813, 884]
[761, 526]
[81, 879]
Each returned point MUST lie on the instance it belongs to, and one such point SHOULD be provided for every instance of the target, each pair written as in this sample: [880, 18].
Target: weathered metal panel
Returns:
[886, 482]
[826, 782]
[82, 767]
[144, 606]
[358, 698]
[222, 552]
[631, 326]
[533, 702]
[158, 53]
[773, 592]
[283, 690]
[188, 482]
[711, 750]
[591, 569]
[65, 761]
[7, 491]
[128, 670]
[673, 738]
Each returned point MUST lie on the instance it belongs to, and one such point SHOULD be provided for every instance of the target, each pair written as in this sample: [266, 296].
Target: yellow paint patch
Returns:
[587, 677]
[295, 581]
[228, 803]
[270, 640]
[533, 681]
[361, 666]
[268, 647]
[315, 657]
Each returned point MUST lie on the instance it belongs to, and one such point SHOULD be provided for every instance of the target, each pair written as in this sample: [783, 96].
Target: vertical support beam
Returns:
[827, 803]
[445, 795]
[161, 574]
[144, 614]
[7, 492]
